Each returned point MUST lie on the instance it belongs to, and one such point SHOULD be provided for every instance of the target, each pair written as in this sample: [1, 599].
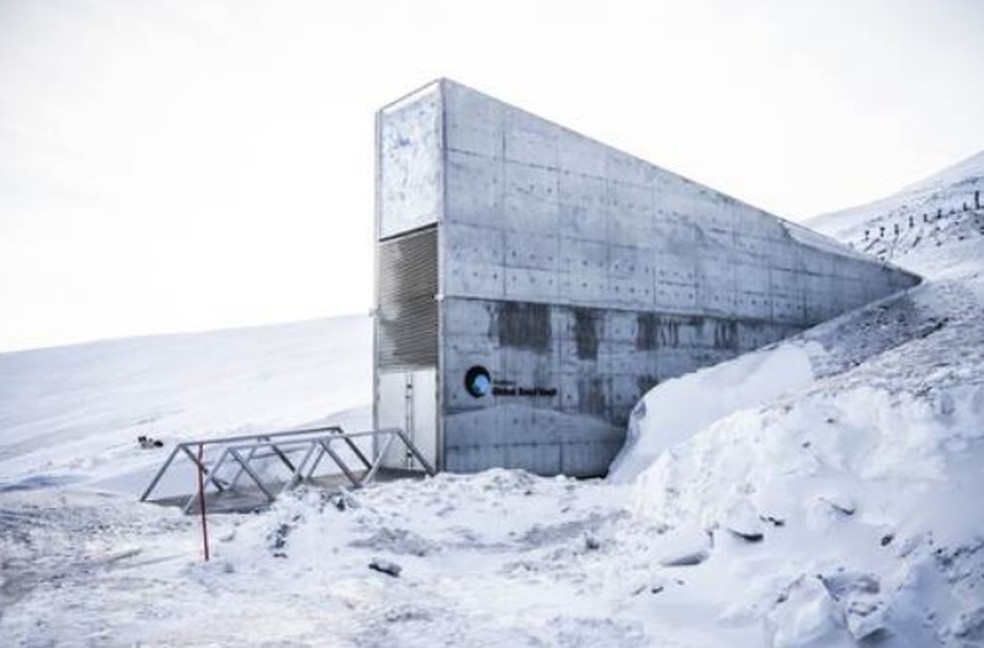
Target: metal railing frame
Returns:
[313, 442]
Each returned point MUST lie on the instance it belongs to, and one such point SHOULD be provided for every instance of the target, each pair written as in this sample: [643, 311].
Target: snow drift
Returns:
[862, 503]
[685, 405]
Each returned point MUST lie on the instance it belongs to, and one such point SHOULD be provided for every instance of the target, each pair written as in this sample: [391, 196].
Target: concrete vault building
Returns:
[533, 284]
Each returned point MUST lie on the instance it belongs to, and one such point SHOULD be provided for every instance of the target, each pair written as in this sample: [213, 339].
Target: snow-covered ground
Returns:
[821, 492]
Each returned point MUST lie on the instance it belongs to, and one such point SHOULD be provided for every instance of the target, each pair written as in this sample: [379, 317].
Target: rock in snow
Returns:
[744, 521]
[685, 547]
[386, 567]
[838, 501]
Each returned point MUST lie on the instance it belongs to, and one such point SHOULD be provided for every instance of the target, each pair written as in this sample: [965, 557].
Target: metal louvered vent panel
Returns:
[406, 319]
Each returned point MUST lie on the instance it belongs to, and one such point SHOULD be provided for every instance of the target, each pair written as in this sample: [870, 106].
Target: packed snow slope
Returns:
[822, 492]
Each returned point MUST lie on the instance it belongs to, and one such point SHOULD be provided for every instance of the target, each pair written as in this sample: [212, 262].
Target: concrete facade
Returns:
[577, 275]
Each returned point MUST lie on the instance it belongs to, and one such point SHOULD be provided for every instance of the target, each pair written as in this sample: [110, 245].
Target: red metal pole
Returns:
[201, 501]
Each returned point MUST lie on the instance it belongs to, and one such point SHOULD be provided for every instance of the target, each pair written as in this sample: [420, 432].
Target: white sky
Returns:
[170, 166]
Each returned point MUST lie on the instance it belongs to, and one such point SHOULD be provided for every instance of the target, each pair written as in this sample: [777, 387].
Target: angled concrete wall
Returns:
[580, 277]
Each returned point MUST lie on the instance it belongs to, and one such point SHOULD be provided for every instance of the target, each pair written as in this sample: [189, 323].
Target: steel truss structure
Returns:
[301, 452]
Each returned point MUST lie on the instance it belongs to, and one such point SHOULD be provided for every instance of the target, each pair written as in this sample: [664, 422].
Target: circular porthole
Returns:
[478, 382]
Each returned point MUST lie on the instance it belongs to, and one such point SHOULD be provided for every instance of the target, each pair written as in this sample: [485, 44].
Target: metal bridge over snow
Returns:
[249, 471]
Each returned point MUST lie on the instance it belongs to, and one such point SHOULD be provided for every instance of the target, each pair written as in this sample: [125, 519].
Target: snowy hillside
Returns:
[821, 492]
[73, 414]
[945, 207]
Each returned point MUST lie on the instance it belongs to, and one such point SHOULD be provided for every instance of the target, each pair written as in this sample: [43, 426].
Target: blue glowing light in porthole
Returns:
[478, 382]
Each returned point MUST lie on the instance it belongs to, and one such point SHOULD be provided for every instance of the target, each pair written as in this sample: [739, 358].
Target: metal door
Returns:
[407, 399]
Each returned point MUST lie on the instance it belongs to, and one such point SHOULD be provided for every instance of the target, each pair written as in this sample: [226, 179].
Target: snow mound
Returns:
[678, 408]
[867, 505]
